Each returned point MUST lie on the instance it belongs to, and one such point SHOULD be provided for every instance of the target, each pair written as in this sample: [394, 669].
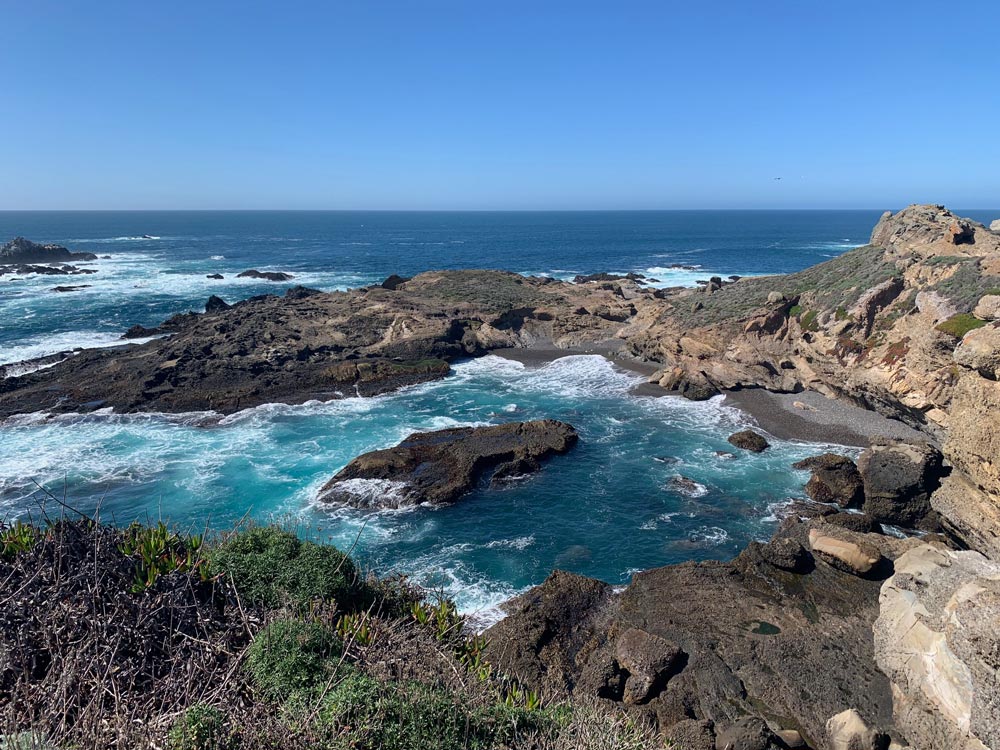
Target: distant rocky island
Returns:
[870, 620]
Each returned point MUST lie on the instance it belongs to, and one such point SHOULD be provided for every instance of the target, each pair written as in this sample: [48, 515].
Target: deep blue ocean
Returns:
[607, 509]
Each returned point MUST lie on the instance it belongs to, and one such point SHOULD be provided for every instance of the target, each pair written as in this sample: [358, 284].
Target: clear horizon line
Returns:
[456, 210]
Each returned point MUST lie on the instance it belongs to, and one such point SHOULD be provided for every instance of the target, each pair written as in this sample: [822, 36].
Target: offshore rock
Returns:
[20, 250]
[439, 467]
[253, 273]
[749, 440]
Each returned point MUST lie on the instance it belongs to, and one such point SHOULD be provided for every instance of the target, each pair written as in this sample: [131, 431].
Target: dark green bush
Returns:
[291, 657]
[270, 566]
[199, 728]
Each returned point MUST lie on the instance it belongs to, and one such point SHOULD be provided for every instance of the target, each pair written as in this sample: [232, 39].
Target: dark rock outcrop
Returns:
[899, 479]
[309, 344]
[439, 467]
[215, 305]
[215, 276]
[393, 282]
[20, 250]
[769, 646]
[75, 288]
[749, 440]
[253, 273]
[835, 479]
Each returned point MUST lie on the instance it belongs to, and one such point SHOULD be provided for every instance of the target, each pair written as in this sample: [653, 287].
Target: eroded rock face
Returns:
[835, 479]
[898, 481]
[937, 640]
[439, 467]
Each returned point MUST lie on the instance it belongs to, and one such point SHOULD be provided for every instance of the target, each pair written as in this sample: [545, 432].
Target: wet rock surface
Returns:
[750, 441]
[439, 467]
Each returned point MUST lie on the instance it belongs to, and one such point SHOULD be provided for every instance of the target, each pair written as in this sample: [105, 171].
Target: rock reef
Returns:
[439, 467]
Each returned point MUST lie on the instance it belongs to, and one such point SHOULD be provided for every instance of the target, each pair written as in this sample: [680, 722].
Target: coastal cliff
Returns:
[846, 630]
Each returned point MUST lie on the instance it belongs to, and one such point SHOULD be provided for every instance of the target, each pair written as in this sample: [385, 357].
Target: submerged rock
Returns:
[749, 440]
[439, 467]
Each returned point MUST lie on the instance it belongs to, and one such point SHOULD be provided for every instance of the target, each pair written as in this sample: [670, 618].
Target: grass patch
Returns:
[809, 321]
[959, 325]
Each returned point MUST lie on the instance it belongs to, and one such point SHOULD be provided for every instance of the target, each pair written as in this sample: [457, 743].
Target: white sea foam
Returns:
[374, 493]
[42, 346]
[714, 535]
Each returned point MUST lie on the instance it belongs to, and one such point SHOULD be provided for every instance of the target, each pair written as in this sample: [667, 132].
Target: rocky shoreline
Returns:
[834, 634]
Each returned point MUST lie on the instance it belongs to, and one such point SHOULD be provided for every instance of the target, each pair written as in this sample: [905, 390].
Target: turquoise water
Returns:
[608, 508]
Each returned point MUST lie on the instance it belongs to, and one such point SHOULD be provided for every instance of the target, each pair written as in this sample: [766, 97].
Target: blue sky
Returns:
[502, 105]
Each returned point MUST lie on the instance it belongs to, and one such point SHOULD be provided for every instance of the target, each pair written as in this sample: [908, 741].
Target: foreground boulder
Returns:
[835, 479]
[899, 479]
[439, 467]
[20, 250]
[936, 638]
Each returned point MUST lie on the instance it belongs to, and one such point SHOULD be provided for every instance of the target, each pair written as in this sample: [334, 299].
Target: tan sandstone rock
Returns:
[857, 556]
[936, 639]
[848, 731]
[988, 307]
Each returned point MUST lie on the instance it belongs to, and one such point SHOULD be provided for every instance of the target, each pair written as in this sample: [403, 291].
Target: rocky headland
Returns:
[870, 620]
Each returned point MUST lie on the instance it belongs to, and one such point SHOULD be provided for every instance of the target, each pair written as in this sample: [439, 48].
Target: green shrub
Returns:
[289, 657]
[794, 311]
[959, 325]
[199, 728]
[840, 314]
[809, 322]
[16, 538]
[270, 566]
[364, 713]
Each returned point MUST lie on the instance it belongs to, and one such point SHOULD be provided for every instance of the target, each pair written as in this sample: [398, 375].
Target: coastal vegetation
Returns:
[256, 638]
